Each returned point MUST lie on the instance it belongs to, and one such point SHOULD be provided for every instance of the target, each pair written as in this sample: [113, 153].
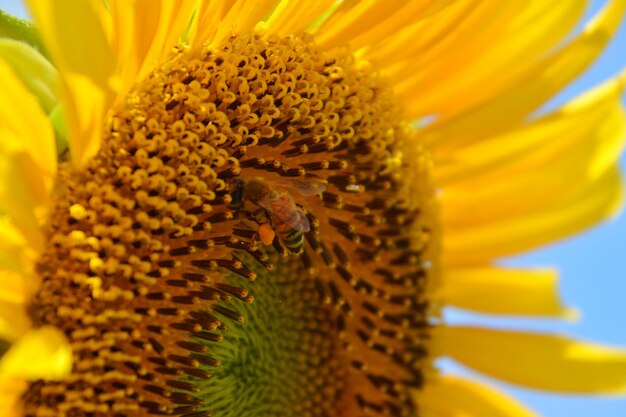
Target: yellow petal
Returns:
[41, 353]
[209, 15]
[9, 234]
[533, 292]
[478, 244]
[512, 103]
[17, 279]
[295, 16]
[80, 50]
[12, 244]
[580, 124]
[365, 22]
[538, 201]
[11, 390]
[14, 287]
[143, 33]
[541, 361]
[22, 117]
[14, 321]
[24, 197]
[492, 69]
[536, 179]
[220, 19]
[432, 39]
[451, 396]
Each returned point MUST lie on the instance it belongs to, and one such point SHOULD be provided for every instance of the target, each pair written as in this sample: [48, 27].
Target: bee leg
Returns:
[260, 216]
[248, 232]
[280, 248]
[243, 225]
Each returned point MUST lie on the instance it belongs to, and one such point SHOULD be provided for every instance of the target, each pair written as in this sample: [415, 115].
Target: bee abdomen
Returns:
[293, 241]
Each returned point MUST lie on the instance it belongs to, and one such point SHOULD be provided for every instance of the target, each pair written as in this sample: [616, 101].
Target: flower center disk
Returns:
[171, 302]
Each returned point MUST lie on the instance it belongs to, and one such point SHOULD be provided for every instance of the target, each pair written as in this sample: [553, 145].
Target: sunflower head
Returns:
[161, 262]
[259, 208]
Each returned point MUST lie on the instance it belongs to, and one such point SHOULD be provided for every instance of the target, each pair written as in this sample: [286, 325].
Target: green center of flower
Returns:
[159, 268]
[287, 365]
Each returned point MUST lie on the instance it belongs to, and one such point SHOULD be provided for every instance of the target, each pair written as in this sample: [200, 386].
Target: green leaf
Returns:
[21, 30]
[34, 70]
[57, 118]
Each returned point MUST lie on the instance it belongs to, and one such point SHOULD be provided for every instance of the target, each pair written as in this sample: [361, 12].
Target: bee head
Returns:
[235, 187]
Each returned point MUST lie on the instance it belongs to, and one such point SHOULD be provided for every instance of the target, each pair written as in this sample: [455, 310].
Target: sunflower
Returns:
[260, 208]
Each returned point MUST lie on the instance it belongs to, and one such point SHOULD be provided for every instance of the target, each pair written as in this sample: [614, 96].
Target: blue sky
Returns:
[593, 273]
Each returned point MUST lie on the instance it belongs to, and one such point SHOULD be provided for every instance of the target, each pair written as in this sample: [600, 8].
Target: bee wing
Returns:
[306, 187]
[304, 225]
[281, 207]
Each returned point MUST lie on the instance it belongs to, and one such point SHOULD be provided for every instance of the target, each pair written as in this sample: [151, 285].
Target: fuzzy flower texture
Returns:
[239, 208]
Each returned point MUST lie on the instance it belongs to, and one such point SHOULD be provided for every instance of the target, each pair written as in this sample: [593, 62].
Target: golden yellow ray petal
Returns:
[24, 196]
[17, 283]
[104, 13]
[533, 292]
[295, 16]
[457, 397]
[12, 248]
[219, 19]
[11, 390]
[79, 46]
[539, 171]
[15, 287]
[40, 353]
[9, 234]
[209, 15]
[251, 14]
[542, 141]
[144, 32]
[513, 52]
[479, 244]
[177, 18]
[581, 141]
[542, 361]
[9, 259]
[122, 34]
[21, 114]
[352, 18]
[14, 321]
[522, 94]
[439, 33]
[27, 157]
[363, 23]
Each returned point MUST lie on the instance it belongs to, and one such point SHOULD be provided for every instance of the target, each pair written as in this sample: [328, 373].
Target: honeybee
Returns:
[287, 219]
